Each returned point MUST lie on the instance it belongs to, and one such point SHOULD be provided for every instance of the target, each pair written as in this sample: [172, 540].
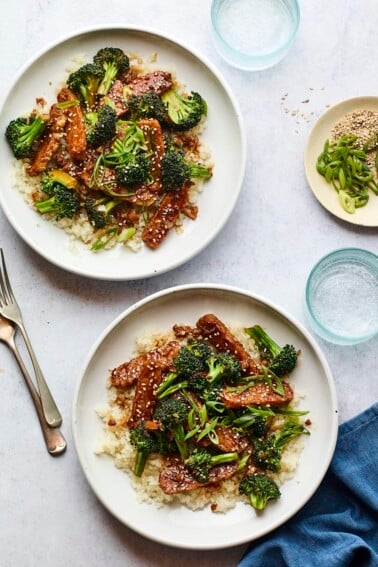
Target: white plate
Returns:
[323, 191]
[176, 525]
[224, 135]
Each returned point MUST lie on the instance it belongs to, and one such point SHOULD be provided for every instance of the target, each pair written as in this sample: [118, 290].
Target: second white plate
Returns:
[224, 135]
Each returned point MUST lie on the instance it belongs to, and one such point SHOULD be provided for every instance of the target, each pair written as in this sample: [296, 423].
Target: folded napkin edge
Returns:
[360, 420]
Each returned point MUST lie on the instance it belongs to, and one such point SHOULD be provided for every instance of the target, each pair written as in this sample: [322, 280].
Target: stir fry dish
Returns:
[117, 158]
[205, 410]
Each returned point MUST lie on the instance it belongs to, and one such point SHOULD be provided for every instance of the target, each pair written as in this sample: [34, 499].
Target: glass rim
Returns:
[327, 332]
[244, 54]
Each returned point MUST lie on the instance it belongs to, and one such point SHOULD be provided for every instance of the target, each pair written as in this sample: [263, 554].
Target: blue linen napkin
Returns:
[338, 527]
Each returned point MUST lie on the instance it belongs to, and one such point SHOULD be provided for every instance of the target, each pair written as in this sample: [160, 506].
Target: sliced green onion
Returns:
[67, 104]
[360, 200]
[172, 389]
[105, 238]
[344, 166]
[126, 234]
[209, 427]
[347, 202]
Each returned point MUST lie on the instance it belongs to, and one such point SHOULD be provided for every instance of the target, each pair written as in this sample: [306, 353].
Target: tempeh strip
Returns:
[117, 97]
[259, 394]
[231, 441]
[176, 477]
[144, 400]
[165, 217]
[75, 126]
[128, 373]
[153, 135]
[50, 142]
[157, 81]
[216, 333]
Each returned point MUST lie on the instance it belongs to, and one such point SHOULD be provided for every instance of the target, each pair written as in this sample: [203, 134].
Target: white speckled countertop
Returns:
[48, 514]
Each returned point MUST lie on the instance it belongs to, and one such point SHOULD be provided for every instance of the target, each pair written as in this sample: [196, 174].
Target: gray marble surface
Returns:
[276, 233]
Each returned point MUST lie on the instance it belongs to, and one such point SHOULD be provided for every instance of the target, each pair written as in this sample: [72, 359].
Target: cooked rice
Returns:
[115, 442]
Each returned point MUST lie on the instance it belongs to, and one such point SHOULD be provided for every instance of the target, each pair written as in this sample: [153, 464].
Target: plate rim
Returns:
[350, 219]
[238, 182]
[196, 287]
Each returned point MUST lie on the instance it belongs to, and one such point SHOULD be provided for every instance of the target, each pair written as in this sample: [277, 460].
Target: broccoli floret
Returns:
[144, 444]
[213, 392]
[98, 210]
[113, 61]
[147, 105]
[198, 383]
[135, 171]
[258, 428]
[85, 82]
[187, 363]
[285, 361]
[184, 112]
[260, 489]
[224, 366]
[101, 125]
[200, 349]
[268, 452]
[172, 413]
[282, 360]
[175, 171]
[54, 178]
[21, 134]
[63, 203]
[170, 142]
[200, 462]
[190, 363]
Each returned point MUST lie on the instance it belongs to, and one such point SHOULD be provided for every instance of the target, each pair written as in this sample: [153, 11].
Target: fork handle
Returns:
[50, 410]
[55, 442]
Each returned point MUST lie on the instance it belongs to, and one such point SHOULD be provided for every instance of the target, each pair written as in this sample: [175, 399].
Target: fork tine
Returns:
[4, 281]
[2, 288]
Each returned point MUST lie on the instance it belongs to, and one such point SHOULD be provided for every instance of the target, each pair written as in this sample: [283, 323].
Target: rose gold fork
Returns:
[10, 310]
[55, 442]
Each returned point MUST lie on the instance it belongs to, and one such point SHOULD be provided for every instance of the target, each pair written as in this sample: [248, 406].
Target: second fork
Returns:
[9, 309]
[55, 442]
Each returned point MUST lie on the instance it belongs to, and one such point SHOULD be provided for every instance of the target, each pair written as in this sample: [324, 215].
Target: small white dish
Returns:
[174, 524]
[224, 135]
[324, 191]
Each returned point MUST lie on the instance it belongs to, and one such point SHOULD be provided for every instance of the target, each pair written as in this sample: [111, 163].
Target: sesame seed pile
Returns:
[363, 124]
